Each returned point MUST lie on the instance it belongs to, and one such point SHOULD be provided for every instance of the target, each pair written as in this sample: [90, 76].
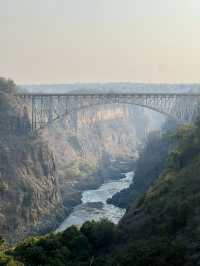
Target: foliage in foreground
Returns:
[161, 230]
[93, 244]
[72, 247]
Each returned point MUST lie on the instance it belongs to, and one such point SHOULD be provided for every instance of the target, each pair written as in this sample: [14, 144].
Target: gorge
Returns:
[99, 133]
[43, 176]
[70, 173]
[94, 205]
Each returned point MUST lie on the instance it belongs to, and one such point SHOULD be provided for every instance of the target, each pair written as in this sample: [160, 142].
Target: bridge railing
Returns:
[44, 108]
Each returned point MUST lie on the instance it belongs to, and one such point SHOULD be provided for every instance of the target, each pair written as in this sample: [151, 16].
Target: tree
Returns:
[100, 234]
[1, 241]
[7, 86]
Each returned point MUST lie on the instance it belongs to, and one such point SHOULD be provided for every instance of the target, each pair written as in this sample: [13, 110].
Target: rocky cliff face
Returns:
[162, 228]
[93, 145]
[29, 197]
[41, 178]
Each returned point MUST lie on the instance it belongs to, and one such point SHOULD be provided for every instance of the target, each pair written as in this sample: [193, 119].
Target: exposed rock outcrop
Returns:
[41, 178]
[93, 145]
[29, 196]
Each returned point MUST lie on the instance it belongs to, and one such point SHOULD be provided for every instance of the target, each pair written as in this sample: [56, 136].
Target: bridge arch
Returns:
[45, 109]
[121, 104]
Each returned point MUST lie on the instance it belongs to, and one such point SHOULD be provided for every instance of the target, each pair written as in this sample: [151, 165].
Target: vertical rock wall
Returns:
[87, 144]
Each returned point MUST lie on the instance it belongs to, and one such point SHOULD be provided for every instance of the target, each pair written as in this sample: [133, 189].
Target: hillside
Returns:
[147, 168]
[29, 196]
[161, 229]
[42, 177]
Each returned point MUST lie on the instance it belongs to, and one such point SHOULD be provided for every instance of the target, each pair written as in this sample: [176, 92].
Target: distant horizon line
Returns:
[109, 82]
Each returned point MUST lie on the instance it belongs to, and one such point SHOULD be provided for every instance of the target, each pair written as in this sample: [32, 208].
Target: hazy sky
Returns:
[58, 41]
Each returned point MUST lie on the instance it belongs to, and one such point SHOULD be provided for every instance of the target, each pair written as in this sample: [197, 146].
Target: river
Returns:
[94, 206]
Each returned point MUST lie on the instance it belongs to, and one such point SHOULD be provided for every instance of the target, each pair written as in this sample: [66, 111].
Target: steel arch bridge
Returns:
[44, 108]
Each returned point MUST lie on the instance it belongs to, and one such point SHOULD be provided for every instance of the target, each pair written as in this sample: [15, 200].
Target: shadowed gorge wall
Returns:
[42, 177]
[29, 196]
[88, 144]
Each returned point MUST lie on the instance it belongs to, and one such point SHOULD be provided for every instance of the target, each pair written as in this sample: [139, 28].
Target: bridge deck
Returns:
[106, 94]
[44, 108]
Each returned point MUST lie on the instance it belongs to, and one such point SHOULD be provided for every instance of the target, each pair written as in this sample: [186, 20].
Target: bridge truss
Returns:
[43, 109]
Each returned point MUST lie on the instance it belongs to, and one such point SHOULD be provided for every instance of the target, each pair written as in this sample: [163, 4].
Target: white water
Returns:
[94, 206]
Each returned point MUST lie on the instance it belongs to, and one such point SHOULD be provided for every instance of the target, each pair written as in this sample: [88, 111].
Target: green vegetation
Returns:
[7, 86]
[160, 228]
[72, 247]
[148, 167]
[25, 165]
[13, 117]
[1, 241]
[8, 261]
[3, 186]
[170, 208]
[4, 259]
[80, 168]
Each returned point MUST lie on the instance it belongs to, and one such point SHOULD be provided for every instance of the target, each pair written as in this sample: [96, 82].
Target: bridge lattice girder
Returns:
[45, 108]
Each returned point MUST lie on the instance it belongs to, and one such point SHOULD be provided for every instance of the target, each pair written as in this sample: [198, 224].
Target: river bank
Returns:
[108, 171]
[94, 203]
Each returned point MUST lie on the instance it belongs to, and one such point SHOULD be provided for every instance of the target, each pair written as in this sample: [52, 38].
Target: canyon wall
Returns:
[95, 144]
[42, 176]
[29, 198]
[30, 201]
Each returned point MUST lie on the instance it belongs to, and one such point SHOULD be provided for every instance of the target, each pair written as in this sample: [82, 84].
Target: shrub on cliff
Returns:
[13, 118]
[7, 93]
[8, 261]
[1, 242]
[3, 185]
